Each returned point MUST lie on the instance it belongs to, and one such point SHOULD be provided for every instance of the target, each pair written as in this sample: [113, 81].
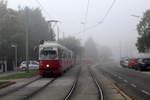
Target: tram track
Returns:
[97, 83]
[27, 91]
[5, 93]
[38, 90]
[72, 89]
[59, 89]
[75, 87]
[26, 96]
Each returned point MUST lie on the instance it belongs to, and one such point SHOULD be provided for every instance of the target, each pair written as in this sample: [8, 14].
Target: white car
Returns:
[33, 65]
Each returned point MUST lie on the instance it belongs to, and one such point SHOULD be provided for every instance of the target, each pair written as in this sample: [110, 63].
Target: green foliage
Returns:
[8, 28]
[13, 28]
[37, 27]
[143, 28]
[20, 75]
[73, 44]
[3, 82]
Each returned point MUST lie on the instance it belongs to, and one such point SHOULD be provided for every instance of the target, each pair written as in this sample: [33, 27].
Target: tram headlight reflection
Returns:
[47, 65]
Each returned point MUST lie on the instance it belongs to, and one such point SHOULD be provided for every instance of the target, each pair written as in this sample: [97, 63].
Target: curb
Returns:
[122, 93]
[7, 84]
[36, 91]
[17, 88]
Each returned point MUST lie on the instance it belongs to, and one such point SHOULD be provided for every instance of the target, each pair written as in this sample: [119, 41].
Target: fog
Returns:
[118, 31]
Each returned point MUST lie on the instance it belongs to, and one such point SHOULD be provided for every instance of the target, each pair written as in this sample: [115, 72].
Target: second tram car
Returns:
[54, 58]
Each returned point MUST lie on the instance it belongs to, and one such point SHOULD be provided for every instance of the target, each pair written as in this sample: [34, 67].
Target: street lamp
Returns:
[15, 46]
[136, 16]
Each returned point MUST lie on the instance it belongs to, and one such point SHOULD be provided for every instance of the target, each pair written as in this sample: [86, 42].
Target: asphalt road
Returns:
[135, 83]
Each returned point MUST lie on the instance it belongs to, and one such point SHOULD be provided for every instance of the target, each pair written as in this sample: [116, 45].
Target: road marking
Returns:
[133, 85]
[125, 81]
[119, 77]
[145, 92]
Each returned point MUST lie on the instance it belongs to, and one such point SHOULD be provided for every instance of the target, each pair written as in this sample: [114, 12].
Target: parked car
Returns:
[124, 62]
[133, 63]
[143, 64]
[33, 65]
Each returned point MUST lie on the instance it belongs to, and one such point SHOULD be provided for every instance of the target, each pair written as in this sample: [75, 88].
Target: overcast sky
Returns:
[119, 26]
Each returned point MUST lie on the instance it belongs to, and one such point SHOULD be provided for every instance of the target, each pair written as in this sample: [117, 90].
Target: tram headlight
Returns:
[47, 65]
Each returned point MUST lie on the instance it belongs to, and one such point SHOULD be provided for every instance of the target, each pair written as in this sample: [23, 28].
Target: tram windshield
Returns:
[48, 54]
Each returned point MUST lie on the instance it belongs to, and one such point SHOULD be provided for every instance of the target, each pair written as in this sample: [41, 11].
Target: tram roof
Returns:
[53, 44]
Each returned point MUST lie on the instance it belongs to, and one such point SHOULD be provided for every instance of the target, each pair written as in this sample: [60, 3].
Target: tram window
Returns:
[60, 53]
[48, 54]
[64, 55]
[69, 56]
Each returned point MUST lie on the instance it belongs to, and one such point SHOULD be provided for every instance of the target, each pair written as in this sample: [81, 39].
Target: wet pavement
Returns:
[57, 90]
[86, 89]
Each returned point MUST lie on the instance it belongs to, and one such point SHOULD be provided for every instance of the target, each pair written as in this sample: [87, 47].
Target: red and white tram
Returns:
[54, 58]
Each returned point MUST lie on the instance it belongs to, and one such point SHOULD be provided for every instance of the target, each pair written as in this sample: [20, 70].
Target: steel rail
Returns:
[97, 83]
[38, 90]
[68, 96]
[17, 88]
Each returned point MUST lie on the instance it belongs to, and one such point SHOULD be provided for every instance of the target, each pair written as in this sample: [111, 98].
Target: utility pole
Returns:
[63, 35]
[57, 33]
[15, 47]
[27, 41]
[120, 49]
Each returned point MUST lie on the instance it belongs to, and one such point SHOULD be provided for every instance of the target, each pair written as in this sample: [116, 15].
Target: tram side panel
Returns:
[50, 67]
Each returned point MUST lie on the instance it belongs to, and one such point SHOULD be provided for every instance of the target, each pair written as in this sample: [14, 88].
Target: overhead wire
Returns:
[41, 6]
[86, 14]
[108, 11]
[48, 16]
[102, 20]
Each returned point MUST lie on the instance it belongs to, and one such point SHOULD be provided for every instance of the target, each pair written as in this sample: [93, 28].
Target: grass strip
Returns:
[19, 75]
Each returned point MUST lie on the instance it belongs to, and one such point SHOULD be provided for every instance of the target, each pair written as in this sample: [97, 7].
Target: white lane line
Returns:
[119, 77]
[133, 85]
[145, 92]
[125, 81]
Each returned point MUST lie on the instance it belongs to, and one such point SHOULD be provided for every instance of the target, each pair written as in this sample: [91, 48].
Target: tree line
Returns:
[90, 50]
[14, 25]
[97, 53]
[143, 28]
